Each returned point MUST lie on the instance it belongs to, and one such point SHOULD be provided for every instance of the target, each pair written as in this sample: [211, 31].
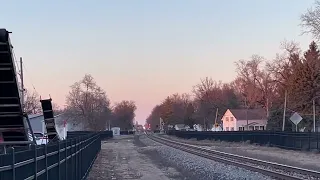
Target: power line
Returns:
[29, 78]
[24, 67]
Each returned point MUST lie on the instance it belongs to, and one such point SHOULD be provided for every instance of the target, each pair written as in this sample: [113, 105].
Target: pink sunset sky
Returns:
[145, 50]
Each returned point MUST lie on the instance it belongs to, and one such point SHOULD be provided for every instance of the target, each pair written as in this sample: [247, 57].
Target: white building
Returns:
[38, 126]
[237, 119]
[180, 127]
[115, 131]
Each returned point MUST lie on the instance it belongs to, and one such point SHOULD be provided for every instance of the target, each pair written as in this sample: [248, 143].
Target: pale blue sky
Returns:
[144, 50]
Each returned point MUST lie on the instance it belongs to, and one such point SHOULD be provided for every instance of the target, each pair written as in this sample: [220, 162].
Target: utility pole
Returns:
[284, 110]
[215, 120]
[204, 124]
[267, 107]
[22, 84]
[314, 115]
[246, 105]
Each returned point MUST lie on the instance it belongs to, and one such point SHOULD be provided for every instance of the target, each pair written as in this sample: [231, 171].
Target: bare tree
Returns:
[57, 109]
[124, 114]
[175, 109]
[154, 117]
[310, 21]
[255, 83]
[281, 70]
[207, 96]
[32, 102]
[88, 104]
[249, 73]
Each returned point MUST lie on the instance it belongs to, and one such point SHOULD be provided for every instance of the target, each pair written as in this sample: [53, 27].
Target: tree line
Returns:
[32, 103]
[88, 107]
[293, 74]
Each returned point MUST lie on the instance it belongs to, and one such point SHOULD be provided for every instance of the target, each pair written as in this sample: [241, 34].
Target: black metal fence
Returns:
[70, 159]
[286, 140]
[126, 132]
[103, 134]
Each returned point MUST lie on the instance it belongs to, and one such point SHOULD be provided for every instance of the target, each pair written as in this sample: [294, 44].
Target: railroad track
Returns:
[275, 170]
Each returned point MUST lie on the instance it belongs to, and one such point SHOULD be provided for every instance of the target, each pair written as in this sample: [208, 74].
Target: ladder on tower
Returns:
[15, 129]
[49, 120]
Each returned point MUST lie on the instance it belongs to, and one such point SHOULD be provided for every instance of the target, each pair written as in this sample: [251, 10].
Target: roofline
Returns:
[42, 115]
[38, 115]
[225, 114]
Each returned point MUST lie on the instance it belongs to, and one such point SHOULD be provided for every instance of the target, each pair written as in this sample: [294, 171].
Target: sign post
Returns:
[161, 125]
[296, 119]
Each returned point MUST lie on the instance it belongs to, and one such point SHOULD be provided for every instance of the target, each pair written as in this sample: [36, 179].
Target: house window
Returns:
[227, 118]
[241, 128]
[251, 128]
[256, 127]
[231, 118]
[262, 128]
[232, 129]
[227, 128]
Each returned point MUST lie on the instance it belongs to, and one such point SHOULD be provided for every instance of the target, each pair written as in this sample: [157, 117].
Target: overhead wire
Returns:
[24, 67]
[29, 78]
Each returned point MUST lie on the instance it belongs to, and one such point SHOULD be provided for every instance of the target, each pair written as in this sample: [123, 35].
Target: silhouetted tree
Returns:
[123, 114]
[88, 104]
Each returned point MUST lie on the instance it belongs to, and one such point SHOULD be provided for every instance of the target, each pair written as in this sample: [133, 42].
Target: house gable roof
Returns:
[253, 114]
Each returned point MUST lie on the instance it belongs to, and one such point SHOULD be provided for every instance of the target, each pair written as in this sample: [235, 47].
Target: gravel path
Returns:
[308, 160]
[197, 168]
[125, 157]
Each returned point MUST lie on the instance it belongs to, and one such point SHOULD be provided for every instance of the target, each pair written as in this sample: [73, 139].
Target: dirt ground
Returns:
[124, 157]
[308, 160]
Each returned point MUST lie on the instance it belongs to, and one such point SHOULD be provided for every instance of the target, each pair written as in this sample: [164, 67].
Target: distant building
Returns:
[115, 131]
[37, 123]
[236, 119]
[197, 127]
[180, 127]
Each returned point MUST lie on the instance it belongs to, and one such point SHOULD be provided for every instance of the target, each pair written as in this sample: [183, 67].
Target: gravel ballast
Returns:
[125, 157]
[201, 168]
[306, 160]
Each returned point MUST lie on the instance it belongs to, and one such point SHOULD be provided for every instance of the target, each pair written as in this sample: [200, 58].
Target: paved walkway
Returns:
[122, 158]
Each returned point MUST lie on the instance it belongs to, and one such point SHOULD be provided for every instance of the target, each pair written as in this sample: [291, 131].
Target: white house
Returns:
[239, 119]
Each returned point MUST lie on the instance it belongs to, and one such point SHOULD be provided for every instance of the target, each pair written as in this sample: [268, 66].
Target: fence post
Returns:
[71, 159]
[58, 160]
[35, 162]
[75, 159]
[80, 158]
[318, 141]
[66, 158]
[13, 165]
[309, 139]
[46, 160]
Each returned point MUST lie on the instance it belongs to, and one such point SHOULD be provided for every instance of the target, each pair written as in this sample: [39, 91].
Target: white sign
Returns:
[295, 118]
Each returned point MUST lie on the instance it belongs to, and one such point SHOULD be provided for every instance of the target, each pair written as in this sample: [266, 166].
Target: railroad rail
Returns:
[274, 170]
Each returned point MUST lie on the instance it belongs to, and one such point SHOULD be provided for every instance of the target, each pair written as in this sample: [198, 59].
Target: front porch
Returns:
[254, 126]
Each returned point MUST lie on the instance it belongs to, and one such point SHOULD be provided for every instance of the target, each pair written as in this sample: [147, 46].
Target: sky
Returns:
[145, 50]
